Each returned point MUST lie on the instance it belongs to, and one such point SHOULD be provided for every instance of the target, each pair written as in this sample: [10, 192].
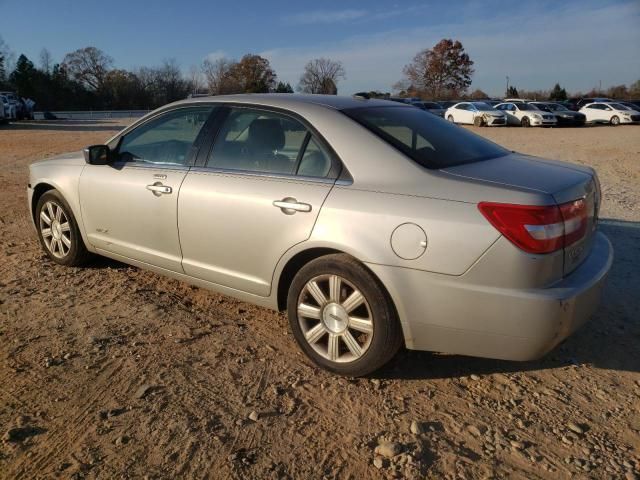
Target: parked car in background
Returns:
[447, 103]
[631, 105]
[378, 225]
[583, 101]
[9, 108]
[3, 119]
[609, 112]
[526, 115]
[16, 106]
[431, 107]
[475, 113]
[564, 116]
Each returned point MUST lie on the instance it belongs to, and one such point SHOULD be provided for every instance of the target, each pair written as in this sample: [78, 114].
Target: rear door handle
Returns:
[158, 189]
[290, 205]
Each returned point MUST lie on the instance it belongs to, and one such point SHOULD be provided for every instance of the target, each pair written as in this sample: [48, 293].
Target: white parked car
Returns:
[8, 111]
[609, 112]
[475, 113]
[526, 115]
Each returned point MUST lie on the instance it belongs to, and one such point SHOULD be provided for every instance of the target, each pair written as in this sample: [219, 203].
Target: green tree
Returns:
[558, 93]
[23, 78]
[283, 88]
[512, 92]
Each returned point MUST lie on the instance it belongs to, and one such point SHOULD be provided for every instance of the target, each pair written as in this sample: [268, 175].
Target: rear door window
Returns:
[254, 140]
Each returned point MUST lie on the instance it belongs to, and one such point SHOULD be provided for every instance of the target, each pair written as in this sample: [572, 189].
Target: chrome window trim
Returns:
[269, 175]
[149, 165]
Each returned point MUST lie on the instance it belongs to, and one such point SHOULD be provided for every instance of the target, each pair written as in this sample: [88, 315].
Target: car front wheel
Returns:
[450, 118]
[525, 122]
[341, 316]
[58, 230]
[615, 120]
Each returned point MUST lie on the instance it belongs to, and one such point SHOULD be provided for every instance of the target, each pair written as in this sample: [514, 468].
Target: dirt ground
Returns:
[113, 372]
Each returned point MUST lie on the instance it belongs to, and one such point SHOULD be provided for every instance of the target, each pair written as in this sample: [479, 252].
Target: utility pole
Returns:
[507, 93]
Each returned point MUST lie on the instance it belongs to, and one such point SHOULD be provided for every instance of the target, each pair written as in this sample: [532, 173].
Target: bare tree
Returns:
[217, 75]
[321, 75]
[195, 79]
[89, 66]
[45, 60]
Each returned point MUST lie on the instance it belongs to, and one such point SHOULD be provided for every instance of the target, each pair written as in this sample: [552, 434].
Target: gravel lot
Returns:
[113, 372]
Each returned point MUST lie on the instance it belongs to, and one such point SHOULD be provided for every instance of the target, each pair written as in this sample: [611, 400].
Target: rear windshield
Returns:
[425, 138]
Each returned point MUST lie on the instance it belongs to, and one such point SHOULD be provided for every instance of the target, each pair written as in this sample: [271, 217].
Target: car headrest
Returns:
[266, 134]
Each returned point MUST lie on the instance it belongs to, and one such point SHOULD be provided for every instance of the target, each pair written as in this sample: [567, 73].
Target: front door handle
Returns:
[290, 205]
[158, 189]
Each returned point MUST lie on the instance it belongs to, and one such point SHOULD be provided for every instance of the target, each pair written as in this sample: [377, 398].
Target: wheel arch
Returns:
[301, 258]
[45, 185]
[39, 190]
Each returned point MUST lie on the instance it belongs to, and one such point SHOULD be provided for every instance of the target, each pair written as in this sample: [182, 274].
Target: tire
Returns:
[450, 118]
[377, 333]
[525, 122]
[479, 121]
[615, 121]
[63, 242]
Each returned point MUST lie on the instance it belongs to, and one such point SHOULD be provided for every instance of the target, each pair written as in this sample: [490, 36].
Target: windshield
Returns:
[482, 106]
[526, 106]
[425, 138]
[556, 107]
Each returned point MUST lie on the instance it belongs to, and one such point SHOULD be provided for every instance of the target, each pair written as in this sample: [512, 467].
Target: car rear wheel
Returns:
[58, 231]
[615, 120]
[342, 317]
[525, 122]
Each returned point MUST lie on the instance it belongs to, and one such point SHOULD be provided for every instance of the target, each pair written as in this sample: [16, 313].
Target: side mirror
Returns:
[97, 155]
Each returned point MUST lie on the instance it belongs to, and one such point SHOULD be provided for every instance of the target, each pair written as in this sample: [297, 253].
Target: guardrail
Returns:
[93, 114]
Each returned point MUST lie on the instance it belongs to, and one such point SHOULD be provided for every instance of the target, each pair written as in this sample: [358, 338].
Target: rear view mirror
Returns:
[97, 155]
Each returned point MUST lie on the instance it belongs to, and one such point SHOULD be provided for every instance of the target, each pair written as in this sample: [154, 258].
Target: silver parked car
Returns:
[375, 225]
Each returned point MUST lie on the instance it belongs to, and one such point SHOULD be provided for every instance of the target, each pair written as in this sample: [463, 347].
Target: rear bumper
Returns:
[449, 315]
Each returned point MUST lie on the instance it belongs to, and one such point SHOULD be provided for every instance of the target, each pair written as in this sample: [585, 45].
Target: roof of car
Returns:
[288, 100]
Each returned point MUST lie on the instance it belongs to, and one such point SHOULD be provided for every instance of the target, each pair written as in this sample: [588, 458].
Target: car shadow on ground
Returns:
[608, 341]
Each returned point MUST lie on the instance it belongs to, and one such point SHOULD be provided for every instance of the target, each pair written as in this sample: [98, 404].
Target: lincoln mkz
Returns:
[375, 225]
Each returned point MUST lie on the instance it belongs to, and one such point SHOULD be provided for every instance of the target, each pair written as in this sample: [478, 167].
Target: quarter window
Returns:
[164, 140]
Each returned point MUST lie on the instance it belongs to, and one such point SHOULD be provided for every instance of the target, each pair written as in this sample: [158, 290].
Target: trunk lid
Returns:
[564, 182]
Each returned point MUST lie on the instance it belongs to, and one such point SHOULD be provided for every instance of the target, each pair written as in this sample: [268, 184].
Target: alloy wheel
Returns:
[55, 229]
[335, 318]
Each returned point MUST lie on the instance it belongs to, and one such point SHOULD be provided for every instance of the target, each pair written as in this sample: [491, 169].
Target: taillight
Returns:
[538, 229]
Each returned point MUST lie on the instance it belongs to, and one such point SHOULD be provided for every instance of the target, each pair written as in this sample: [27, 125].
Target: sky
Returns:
[579, 43]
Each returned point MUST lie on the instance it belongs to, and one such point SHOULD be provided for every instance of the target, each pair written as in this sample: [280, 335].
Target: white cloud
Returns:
[579, 46]
[216, 55]
[323, 16]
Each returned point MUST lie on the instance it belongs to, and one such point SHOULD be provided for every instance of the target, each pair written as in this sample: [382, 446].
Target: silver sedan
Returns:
[375, 225]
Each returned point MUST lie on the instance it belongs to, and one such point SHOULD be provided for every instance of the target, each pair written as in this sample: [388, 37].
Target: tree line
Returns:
[86, 79]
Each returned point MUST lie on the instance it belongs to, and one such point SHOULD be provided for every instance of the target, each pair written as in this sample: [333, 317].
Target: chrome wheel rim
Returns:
[335, 318]
[55, 229]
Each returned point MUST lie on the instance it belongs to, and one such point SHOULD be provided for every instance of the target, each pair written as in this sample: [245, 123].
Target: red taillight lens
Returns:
[538, 229]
